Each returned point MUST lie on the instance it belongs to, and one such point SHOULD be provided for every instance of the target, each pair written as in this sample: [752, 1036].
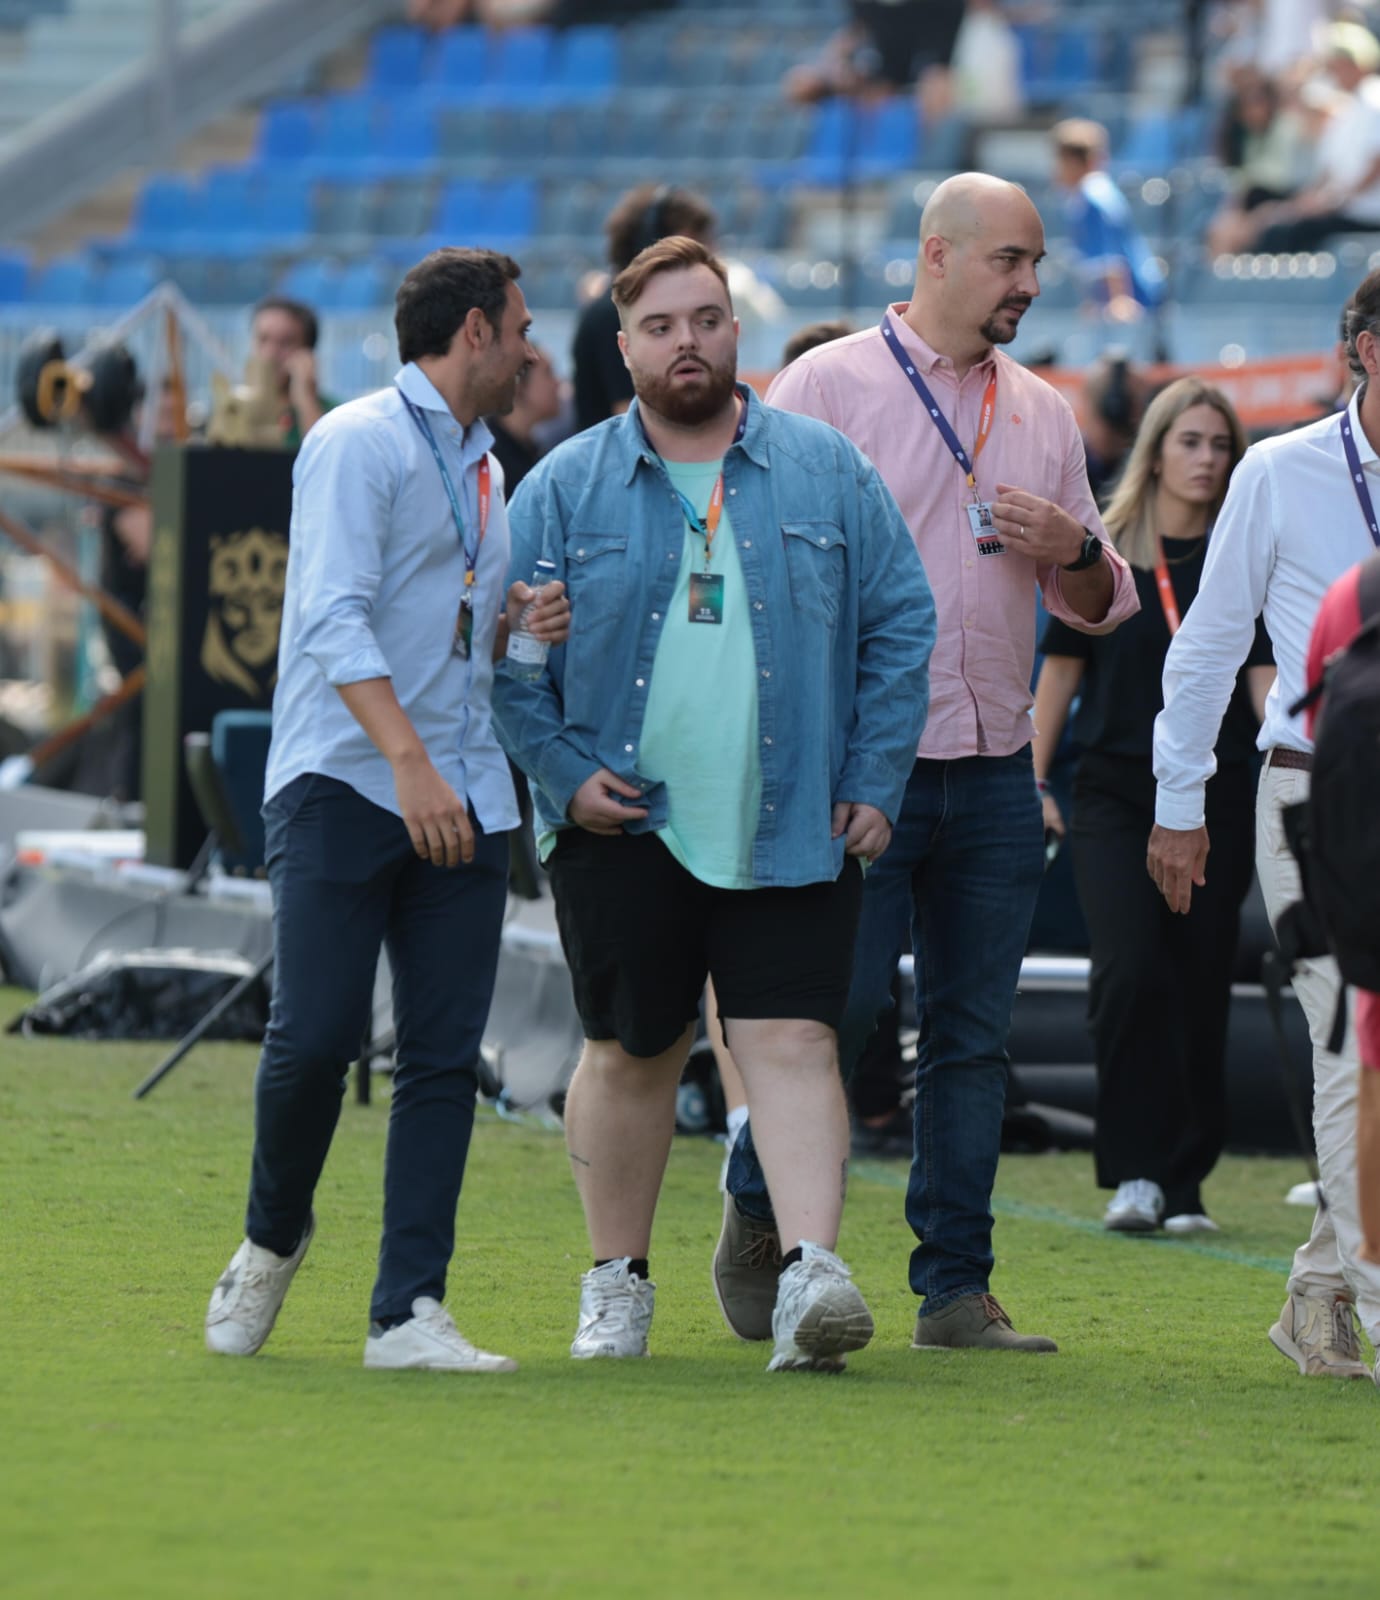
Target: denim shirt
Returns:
[842, 626]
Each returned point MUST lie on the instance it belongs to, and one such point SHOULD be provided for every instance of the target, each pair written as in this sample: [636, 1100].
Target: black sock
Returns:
[385, 1323]
[791, 1257]
[638, 1267]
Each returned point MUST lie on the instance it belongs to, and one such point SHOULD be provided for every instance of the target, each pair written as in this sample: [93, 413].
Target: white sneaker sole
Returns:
[1131, 1222]
[427, 1364]
[609, 1355]
[836, 1324]
[1287, 1348]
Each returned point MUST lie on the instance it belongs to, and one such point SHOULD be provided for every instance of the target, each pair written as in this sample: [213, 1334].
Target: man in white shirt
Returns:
[1296, 517]
[386, 803]
[1346, 196]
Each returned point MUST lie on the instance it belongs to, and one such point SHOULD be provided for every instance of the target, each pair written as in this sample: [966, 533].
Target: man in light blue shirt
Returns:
[714, 754]
[386, 802]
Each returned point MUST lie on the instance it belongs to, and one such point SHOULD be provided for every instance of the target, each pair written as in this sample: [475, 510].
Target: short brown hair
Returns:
[1361, 315]
[666, 255]
[655, 211]
[1080, 137]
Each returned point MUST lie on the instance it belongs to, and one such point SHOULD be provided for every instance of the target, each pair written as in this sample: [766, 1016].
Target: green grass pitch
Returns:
[1167, 1450]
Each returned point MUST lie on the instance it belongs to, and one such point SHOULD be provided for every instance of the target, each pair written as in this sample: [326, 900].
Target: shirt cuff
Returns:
[1180, 809]
[359, 667]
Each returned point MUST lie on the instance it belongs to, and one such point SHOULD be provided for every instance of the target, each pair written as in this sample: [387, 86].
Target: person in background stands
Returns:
[713, 755]
[811, 336]
[386, 802]
[1299, 513]
[1161, 985]
[1114, 393]
[283, 337]
[987, 465]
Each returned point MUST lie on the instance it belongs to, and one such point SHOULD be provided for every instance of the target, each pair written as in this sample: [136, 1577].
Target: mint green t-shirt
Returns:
[699, 735]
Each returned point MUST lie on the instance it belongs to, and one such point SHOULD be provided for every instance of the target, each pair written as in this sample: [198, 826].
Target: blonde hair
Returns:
[1130, 516]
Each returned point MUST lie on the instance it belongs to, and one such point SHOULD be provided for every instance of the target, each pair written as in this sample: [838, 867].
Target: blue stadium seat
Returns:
[362, 285]
[345, 137]
[402, 209]
[835, 143]
[14, 276]
[230, 206]
[890, 138]
[397, 60]
[519, 67]
[586, 64]
[309, 280]
[283, 220]
[68, 281]
[459, 64]
[341, 211]
[168, 215]
[404, 140]
[287, 133]
[1149, 146]
[128, 281]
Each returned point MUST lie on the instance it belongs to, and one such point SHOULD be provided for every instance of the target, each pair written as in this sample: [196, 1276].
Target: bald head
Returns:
[974, 203]
[981, 240]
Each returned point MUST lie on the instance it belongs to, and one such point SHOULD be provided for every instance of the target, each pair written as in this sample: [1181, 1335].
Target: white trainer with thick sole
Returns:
[429, 1342]
[248, 1295]
[1136, 1207]
[819, 1315]
[615, 1313]
[1318, 1334]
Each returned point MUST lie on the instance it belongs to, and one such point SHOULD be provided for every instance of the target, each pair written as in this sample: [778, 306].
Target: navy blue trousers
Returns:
[346, 881]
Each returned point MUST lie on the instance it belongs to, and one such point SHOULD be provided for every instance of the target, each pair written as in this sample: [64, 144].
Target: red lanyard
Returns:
[989, 411]
[1168, 603]
[483, 520]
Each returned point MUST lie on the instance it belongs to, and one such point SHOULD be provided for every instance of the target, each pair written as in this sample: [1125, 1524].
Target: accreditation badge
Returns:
[984, 529]
[464, 629]
[706, 597]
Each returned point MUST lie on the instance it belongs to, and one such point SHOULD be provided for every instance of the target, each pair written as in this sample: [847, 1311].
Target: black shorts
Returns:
[641, 934]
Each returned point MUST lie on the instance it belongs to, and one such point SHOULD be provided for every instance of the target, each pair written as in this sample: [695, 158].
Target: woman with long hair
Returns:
[1161, 984]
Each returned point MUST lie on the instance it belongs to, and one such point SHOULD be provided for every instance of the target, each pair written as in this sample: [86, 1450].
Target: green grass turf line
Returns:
[1166, 1452]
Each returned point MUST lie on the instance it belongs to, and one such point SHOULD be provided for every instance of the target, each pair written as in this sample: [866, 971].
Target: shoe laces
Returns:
[613, 1304]
[1340, 1334]
[1141, 1193]
[992, 1311]
[762, 1249]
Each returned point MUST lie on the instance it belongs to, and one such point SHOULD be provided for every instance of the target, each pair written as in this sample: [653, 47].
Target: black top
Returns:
[516, 458]
[907, 36]
[601, 380]
[1122, 693]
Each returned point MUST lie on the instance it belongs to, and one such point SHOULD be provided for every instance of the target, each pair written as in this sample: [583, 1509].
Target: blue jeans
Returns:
[960, 878]
[346, 880]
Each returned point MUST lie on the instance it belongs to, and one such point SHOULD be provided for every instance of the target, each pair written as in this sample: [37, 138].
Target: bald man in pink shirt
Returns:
[987, 466]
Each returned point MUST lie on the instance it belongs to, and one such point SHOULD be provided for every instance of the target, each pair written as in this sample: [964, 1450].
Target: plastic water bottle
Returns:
[527, 655]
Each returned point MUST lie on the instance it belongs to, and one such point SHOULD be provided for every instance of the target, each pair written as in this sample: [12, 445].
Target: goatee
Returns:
[688, 406]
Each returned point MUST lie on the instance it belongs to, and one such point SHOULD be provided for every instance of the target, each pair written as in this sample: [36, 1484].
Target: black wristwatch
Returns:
[1089, 555]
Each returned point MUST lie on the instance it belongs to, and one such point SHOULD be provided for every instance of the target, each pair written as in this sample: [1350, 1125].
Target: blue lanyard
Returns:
[471, 554]
[698, 525]
[1358, 477]
[946, 433]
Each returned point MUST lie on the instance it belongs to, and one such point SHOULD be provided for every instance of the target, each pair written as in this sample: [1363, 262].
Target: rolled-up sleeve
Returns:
[1076, 497]
[344, 483]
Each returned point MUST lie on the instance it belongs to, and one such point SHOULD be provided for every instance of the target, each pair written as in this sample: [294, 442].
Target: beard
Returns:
[687, 406]
[997, 332]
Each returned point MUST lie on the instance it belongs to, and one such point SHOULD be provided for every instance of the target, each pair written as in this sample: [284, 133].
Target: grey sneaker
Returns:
[428, 1342]
[819, 1315]
[1318, 1334]
[747, 1269]
[615, 1312]
[248, 1295]
[976, 1322]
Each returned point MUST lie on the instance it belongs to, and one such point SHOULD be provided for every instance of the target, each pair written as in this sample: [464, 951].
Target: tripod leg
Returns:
[185, 1043]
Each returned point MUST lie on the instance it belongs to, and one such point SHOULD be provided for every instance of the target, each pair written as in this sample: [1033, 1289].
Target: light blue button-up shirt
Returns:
[841, 614]
[374, 579]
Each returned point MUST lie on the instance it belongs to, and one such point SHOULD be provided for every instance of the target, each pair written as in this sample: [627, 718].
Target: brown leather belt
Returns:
[1282, 756]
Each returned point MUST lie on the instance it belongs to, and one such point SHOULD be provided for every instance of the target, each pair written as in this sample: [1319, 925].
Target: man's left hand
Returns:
[550, 618]
[300, 367]
[868, 832]
[1030, 526]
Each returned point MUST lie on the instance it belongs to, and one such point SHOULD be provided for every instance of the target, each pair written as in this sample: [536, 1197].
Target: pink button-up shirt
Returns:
[980, 671]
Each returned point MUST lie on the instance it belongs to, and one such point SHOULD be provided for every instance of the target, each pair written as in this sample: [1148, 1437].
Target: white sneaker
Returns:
[1136, 1207]
[615, 1312]
[247, 1297]
[1307, 1194]
[819, 1314]
[1190, 1222]
[428, 1342]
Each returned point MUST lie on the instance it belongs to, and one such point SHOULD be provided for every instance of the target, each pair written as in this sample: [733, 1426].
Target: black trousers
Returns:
[1161, 985]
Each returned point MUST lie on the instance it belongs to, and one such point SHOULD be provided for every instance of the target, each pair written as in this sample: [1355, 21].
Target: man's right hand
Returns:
[1176, 860]
[594, 807]
[436, 817]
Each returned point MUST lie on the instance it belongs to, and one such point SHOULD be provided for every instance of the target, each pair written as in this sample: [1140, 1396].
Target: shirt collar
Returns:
[637, 447]
[1365, 450]
[475, 440]
[925, 357]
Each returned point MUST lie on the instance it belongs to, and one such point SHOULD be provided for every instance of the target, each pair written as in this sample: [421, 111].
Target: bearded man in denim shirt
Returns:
[717, 751]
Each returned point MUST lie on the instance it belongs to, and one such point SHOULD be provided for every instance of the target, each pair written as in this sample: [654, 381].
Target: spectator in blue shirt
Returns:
[1119, 275]
[386, 803]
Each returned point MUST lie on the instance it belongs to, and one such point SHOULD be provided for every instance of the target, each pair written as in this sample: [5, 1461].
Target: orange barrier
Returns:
[1266, 394]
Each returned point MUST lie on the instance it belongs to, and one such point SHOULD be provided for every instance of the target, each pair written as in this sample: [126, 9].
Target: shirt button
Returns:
[656, 616]
[967, 563]
[747, 543]
[824, 541]
[766, 739]
[756, 605]
[641, 683]
[628, 748]
[733, 491]
[766, 672]
[770, 806]
[579, 552]
[670, 555]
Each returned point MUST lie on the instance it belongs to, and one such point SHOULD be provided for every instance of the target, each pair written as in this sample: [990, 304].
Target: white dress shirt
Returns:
[374, 579]
[1289, 527]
